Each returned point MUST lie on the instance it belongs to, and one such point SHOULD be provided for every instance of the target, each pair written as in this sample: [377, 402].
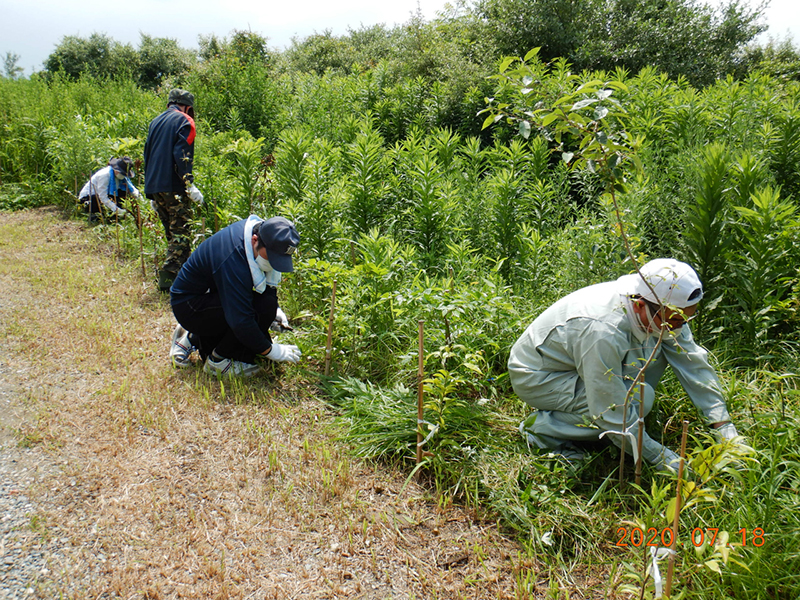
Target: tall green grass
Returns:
[476, 235]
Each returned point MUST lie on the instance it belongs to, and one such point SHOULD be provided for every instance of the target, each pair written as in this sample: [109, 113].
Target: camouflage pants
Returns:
[174, 210]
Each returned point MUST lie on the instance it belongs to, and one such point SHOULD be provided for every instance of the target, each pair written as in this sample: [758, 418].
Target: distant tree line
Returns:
[155, 60]
[683, 38]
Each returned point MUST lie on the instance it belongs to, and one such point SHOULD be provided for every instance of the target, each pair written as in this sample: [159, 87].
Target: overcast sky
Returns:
[33, 28]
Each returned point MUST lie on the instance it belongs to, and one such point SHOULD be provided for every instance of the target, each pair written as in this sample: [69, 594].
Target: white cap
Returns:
[675, 283]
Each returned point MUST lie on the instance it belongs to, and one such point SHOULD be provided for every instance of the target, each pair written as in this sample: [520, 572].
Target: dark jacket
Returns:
[219, 265]
[169, 152]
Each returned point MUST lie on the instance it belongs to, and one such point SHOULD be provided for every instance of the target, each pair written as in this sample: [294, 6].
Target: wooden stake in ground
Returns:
[330, 332]
[139, 225]
[141, 242]
[116, 229]
[676, 518]
[624, 438]
[640, 435]
[420, 377]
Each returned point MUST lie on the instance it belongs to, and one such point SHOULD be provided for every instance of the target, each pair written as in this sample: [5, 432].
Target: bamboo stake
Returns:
[330, 332]
[116, 230]
[420, 376]
[139, 225]
[141, 242]
[352, 253]
[89, 209]
[676, 518]
[624, 439]
[640, 435]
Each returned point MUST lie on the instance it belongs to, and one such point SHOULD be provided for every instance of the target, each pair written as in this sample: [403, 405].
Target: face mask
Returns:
[263, 264]
[119, 176]
[652, 331]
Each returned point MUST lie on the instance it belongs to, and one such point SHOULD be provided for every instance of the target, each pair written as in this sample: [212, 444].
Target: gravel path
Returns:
[24, 557]
[21, 565]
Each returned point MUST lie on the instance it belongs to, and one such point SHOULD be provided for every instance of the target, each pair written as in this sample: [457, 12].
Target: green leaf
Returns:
[618, 85]
[488, 121]
[549, 119]
[600, 113]
[562, 100]
[525, 129]
[506, 63]
[589, 86]
[584, 103]
[531, 54]
[567, 156]
[713, 565]
[671, 511]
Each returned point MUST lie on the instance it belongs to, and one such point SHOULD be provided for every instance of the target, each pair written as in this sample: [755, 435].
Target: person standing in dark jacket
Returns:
[225, 298]
[169, 183]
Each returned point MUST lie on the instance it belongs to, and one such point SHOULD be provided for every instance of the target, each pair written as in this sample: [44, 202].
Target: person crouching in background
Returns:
[107, 187]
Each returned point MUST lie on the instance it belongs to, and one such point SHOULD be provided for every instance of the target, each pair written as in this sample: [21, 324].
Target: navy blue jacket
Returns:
[219, 265]
[169, 152]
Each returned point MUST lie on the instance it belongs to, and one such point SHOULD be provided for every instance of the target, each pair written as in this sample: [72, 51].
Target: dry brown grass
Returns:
[170, 485]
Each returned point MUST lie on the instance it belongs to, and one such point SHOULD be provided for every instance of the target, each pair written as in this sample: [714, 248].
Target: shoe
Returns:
[181, 348]
[226, 366]
[165, 279]
[570, 452]
[563, 448]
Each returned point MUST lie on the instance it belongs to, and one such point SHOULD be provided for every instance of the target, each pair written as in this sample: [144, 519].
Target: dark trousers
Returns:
[204, 319]
[91, 204]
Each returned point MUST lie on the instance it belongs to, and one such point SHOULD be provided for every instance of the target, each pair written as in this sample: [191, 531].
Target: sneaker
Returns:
[181, 348]
[226, 366]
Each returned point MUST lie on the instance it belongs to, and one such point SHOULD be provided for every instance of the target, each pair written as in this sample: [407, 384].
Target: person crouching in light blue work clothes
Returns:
[576, 362]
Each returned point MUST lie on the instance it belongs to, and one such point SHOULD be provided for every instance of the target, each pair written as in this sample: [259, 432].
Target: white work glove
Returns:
[154, 206]
[194, 194]
[120, 213]
[727, 431]
[284, 353]
[281, 323]
[137, 194]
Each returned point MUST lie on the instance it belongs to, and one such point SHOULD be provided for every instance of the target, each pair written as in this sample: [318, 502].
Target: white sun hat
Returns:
[675, 283]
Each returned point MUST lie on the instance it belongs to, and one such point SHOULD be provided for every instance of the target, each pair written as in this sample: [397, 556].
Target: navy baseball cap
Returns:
[281, 239]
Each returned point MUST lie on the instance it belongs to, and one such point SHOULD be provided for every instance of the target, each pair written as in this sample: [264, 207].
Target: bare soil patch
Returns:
[153, 483]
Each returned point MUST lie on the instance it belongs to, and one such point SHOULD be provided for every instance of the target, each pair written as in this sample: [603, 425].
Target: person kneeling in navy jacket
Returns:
[225, 297]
